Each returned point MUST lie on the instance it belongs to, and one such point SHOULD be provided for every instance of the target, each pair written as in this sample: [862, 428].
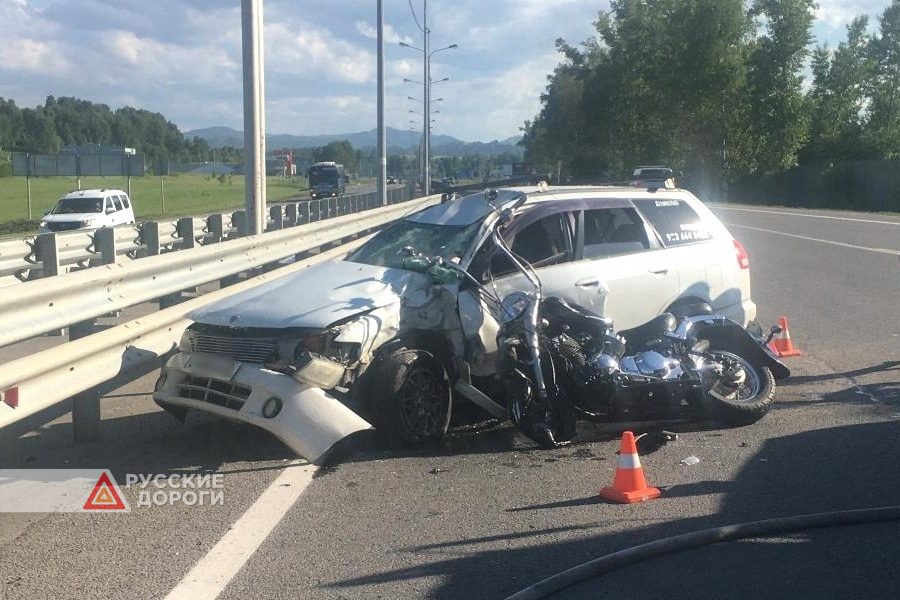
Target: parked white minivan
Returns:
[89, 209]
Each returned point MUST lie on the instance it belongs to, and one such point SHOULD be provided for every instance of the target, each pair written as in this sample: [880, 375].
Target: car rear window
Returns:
[675, 221]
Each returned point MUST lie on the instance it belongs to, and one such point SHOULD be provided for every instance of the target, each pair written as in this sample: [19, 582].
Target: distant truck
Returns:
[326, 179]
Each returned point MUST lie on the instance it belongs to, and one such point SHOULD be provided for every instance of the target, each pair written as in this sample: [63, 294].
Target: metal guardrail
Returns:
[34, 383]
[51, 254]
[113, 357]
[51, 303]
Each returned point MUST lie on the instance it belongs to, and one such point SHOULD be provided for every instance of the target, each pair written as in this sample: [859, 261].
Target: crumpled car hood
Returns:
[316, 297]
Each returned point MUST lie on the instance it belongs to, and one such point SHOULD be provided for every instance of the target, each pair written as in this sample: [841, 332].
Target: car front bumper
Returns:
[309, 420]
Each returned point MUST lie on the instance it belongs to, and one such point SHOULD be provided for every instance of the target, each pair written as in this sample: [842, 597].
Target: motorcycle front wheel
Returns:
[550, 423]
[737, 392]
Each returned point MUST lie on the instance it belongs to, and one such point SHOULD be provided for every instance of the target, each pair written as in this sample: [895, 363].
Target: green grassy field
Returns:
[154, 198]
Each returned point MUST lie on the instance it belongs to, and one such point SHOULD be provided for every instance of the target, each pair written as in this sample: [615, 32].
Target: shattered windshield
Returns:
[447, 241]
[69, 206]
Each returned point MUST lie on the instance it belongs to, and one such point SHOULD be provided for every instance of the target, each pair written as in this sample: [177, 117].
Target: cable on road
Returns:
[695, 539]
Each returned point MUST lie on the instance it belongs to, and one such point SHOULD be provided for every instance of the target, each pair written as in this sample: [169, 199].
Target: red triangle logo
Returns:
[104, 496]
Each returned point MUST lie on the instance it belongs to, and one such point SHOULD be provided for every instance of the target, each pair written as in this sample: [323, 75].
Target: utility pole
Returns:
[254, 117]
[382, 136]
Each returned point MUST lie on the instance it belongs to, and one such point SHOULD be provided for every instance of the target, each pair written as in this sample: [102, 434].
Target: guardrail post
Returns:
[238, 220]
[277, 216]
[85, 405]
[105, 244]
[149, 237]
[305, 212]
[185, 229]
[291, 214]
[215, 226]
[48, 254]
[169, 300]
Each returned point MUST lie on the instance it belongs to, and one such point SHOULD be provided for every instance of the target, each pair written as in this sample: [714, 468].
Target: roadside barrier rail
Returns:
[31, 384]
[50, 254]
[51, 303]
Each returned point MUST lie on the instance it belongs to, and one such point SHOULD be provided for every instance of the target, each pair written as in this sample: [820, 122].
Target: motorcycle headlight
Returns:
[513, 306]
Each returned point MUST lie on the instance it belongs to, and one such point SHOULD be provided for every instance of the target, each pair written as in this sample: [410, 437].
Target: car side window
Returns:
[544, 242]
[117, 200]
[125, 201]
[675, 220]
[109, 204]
[611, 231]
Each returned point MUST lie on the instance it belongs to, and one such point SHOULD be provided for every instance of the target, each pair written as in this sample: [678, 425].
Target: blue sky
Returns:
[182, 58]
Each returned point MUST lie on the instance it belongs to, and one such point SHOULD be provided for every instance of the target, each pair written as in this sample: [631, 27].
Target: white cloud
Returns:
[182, 58]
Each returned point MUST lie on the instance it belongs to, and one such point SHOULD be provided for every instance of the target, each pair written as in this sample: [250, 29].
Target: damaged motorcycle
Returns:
[563, 363]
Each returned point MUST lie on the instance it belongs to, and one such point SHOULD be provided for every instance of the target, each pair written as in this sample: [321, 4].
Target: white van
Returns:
[89, 209]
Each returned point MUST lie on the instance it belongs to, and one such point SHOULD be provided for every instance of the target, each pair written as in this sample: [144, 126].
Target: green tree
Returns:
[839, 96]
[779, 114]
[883, 131]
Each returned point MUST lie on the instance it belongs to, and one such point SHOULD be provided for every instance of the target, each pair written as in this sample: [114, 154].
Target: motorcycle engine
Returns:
[651, 364]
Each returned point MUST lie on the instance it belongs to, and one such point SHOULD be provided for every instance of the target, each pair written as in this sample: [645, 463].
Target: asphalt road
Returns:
[486, 515]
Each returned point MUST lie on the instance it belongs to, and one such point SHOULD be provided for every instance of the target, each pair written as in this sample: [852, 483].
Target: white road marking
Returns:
[812, 239]
[794, 214]
[215, 570]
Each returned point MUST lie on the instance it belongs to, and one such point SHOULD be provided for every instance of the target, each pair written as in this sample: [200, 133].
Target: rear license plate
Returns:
[211, 365]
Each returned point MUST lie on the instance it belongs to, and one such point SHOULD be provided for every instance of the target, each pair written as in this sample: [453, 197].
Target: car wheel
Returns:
[411, 398]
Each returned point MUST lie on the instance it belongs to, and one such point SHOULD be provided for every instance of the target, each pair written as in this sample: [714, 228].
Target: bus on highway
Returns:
[326, 179]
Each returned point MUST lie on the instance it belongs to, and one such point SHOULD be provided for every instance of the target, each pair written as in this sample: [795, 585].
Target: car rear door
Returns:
[622, 271]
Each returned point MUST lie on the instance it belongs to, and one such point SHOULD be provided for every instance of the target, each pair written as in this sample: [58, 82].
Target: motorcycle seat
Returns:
[641, 336]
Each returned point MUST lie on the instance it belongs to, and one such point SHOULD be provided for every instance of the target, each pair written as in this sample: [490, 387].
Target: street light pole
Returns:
[426, 97]
[426, 118]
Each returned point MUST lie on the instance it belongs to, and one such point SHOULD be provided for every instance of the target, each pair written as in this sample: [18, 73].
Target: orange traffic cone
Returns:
[629, 484]
[781, 343]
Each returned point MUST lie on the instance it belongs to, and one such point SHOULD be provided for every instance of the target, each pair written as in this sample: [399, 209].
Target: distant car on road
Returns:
[654, 177]
[88, 209]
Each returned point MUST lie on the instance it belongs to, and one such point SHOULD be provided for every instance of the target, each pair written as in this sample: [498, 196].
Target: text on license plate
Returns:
[211, 365]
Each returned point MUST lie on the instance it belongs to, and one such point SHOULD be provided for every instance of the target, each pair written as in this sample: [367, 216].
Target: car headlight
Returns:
[324, 344]
[513, 306]
[87, 222]
[318, 371]
[42, 224]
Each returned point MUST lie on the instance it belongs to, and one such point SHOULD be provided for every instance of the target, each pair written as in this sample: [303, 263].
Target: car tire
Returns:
[411, 398]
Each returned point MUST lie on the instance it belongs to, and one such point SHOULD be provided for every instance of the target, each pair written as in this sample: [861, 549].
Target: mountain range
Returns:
[398, 141]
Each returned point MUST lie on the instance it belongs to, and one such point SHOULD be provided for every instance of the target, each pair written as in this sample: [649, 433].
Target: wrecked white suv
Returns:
[346, 345]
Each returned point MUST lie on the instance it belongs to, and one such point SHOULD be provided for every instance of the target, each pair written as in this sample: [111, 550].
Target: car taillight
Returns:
[742, 257]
